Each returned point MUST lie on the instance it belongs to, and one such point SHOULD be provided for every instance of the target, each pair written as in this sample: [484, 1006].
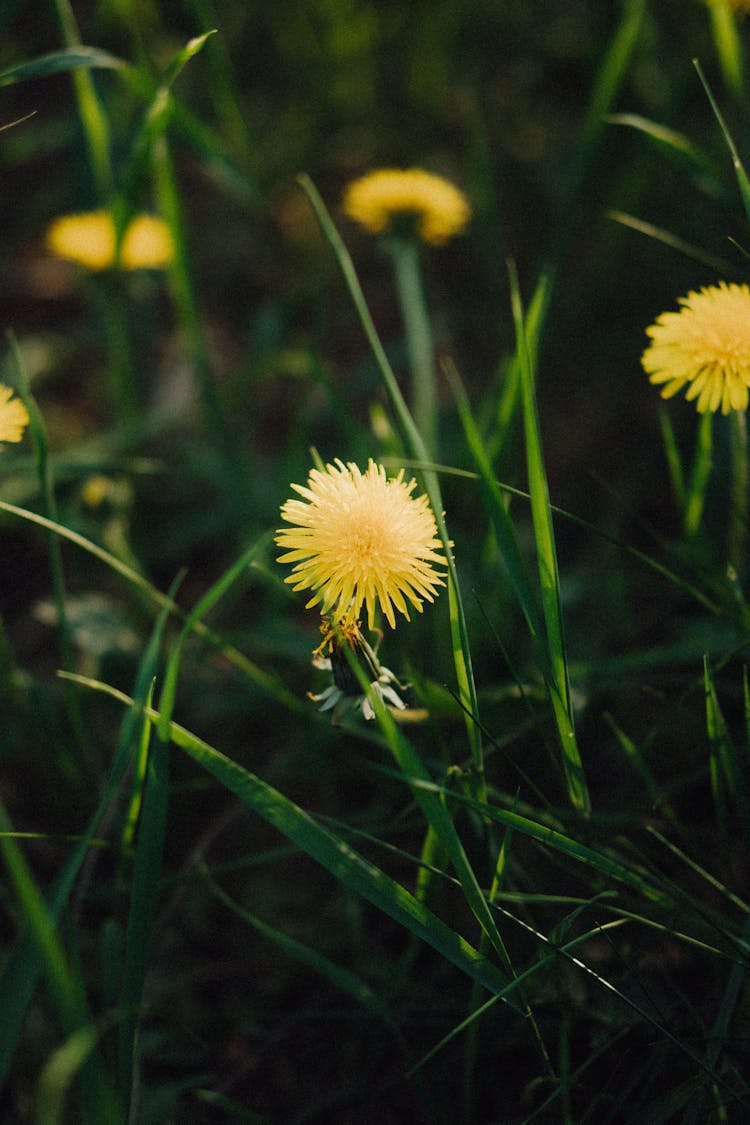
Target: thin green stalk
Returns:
[183, 292]
[549, 579]
[738, 512]
[98, 1100]
[729, 50]
[405, 256]
[93, 117]
[112, 302]
[695, 499]
[47, 488]
[144, 896]
[739, 169]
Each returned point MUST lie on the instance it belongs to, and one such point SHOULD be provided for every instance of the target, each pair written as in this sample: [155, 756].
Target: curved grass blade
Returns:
[697, 253]
[343, 979]
[57, 62]
[93, 118]
[739, 169]
[333, 853]
[259, 676]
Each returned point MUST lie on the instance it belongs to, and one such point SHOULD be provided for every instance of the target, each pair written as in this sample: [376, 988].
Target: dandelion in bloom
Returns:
[361, 539]
[14, 417]
[387, 197]
[705, 346]
[89, 239]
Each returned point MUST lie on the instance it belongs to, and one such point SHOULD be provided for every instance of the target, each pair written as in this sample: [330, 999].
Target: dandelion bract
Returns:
[361, 539]
[704, 347]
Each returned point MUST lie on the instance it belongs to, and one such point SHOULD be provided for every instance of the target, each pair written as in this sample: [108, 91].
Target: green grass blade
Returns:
[695, 497]
[58, 1074]
[57, 62]
[22, 969]
[674, 460]
[268, 683]
[549, 580]
[205, 604]
[65, 985]
[719, 1037]
[739, 169]
[333, 853]
[502, 524]
[144, 890]
[38, 433]
[93, 118]
[343, 979]
[729, 49]
[729, 777]
[435, 810]
[668, 141]
[719, 265]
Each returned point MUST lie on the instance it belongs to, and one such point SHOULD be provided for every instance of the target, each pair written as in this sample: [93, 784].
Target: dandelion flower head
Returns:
[361, 539]
[14, 417]
[705, 346]
[89, 239]
[377, 200]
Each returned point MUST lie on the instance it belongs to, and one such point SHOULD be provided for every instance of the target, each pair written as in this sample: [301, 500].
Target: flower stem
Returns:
[112, 300]
[419, 346]
[696, 496]
[738, 511]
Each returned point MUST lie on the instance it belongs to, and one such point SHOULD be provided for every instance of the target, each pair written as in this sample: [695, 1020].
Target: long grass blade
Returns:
[268, 683]
[329, 850]
[92, 114]
[57, 62]
[64, 982]
[549, 579]
[144, 889]
[21, 972]
[739, 169]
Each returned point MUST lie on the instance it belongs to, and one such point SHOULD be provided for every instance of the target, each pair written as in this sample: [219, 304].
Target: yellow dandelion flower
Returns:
[706, 346]
[439, 209]
[361, 539]
[14, 417]
[89, 239]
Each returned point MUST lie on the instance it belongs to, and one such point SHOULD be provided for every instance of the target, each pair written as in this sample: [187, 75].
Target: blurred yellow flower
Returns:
[439, 209]
[705, 345]
[14, 417]
[361, 539]
[89, 239]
